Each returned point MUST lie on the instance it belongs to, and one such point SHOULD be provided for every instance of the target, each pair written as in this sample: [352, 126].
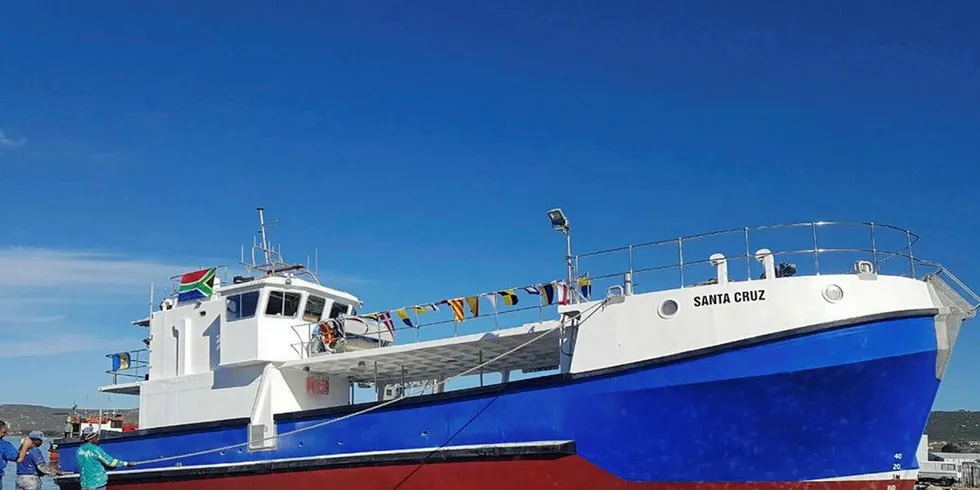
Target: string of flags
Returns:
[554, 292]
[200, 284]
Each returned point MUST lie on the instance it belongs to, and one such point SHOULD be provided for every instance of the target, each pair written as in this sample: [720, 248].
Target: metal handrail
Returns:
[878, 254]
[745, 233]
[138, 366]
[302, 347]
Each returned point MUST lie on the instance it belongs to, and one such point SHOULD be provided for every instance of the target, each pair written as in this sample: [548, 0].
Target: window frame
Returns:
[334, 306]
[239, 295]
[282, 310]
[306, 307]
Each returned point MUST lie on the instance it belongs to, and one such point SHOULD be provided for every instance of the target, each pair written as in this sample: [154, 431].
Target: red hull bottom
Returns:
[565, 473]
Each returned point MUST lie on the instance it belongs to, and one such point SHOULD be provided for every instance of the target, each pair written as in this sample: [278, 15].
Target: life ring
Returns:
[327, 335]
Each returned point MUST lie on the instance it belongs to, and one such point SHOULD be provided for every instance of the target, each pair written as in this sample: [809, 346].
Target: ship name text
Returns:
[726, 298]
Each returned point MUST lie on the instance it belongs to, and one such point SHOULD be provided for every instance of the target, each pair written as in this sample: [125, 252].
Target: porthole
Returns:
[833, 293]
[667, 309]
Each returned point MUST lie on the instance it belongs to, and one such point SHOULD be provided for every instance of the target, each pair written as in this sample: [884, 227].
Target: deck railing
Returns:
[486, 322]
[130, 366]
[877, 242]
[812, 248]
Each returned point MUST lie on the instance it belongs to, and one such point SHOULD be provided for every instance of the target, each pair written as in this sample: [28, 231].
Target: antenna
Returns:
[274, 263]
[265, 242]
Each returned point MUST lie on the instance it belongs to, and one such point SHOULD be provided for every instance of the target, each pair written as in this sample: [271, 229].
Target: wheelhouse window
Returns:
[242, 306]
[314, 308]
[338, 309]
[282, 304]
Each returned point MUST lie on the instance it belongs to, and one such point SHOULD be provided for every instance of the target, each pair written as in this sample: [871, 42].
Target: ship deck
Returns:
[430, 360]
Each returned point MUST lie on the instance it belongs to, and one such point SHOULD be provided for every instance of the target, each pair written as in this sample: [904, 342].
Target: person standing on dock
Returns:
[92, 461]
[32, 465]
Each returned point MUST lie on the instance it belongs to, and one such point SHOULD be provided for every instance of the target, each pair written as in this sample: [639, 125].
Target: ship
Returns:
[809, 360]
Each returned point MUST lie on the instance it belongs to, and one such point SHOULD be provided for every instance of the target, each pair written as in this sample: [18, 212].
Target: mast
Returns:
[274, 263]
[265, 242]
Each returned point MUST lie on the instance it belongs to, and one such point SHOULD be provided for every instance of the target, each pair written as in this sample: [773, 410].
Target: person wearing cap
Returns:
[92, 461]
[32, 465]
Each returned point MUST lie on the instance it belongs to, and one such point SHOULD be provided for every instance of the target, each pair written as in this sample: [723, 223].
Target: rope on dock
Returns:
[584, 315]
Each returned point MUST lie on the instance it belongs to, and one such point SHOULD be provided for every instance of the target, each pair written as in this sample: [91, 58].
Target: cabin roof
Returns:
[442, 357]
[295, 283]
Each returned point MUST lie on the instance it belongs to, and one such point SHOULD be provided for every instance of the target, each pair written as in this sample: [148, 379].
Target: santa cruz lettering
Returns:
[727, 298]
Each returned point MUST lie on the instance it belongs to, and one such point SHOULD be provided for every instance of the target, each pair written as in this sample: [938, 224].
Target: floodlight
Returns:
[558, 220]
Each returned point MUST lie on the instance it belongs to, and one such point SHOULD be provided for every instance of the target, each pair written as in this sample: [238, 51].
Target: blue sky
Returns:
[418, 147]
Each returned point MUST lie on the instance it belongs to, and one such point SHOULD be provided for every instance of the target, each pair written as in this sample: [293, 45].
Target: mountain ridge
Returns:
[23, 418]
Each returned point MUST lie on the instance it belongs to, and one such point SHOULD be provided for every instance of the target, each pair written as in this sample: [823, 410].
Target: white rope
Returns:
[373, 407]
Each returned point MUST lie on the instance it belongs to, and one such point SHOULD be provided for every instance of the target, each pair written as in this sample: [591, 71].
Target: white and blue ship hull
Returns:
[823, 403]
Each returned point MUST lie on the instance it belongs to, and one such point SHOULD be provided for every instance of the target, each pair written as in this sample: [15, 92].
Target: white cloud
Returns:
[56, 292]
[64, 343]
[21, 319]
[22, 267]
[47, 268]
[7, 142]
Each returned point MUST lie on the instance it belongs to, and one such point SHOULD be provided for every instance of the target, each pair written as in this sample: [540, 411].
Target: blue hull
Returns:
[849, 401]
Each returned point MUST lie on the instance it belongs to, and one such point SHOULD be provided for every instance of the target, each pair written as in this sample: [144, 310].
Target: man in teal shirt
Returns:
[92, 461]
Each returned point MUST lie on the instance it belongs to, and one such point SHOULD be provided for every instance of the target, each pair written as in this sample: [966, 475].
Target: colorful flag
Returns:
[196, 285]
[549, 292]
[120, 361]
[532, 290]
[585, 285]
[510, 297]
[338, 325]
[474, 304]
[457, 307]
[425, 308]
[562, 293]
[385, 317]
[404, 316]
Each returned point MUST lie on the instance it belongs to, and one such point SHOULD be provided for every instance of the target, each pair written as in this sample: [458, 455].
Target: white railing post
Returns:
[721, 266]
[765, 256]
[631, 260]
[874, 247]
[680, 258]
[908, 236]
[816, 254]
[748, 255]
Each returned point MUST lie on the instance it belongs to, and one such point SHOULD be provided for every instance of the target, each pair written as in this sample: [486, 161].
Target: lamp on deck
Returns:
[560, 223]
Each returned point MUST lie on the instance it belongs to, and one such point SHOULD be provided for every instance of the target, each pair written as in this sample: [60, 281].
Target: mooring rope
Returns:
[591, 310]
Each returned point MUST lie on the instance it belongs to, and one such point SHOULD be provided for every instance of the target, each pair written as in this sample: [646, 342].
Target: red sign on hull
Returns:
[317, 385]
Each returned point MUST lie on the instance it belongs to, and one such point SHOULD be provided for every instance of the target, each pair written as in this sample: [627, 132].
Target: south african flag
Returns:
[196, 285]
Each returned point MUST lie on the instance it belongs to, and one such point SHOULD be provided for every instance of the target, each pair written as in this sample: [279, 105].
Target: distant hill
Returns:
[959, 426]
[25, 418]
